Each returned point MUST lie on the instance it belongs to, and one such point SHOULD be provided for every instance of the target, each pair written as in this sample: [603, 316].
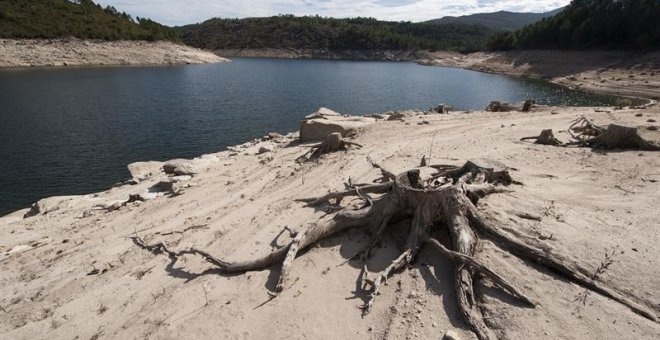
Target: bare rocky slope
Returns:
[611, 72]
[75, 52]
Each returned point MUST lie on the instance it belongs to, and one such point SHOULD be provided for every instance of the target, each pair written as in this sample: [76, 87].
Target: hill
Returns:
[590, 24]
[314, 32]
[84, 19]
[498, 21]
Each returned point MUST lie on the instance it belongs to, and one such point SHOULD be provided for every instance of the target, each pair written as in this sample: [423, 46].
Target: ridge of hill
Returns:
[83, 19]
[498, 21]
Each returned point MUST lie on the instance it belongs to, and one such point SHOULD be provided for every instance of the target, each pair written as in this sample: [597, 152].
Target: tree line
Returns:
[84, 19]
[589, 24]
[315, 32]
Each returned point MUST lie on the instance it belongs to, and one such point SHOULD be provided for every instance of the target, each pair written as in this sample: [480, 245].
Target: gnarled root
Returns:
[545, 138]
[445, 199]
[620, 137]
[587, 134]
[333, 142]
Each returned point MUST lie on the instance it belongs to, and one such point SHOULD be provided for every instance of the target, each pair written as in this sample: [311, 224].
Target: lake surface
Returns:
[73, 130]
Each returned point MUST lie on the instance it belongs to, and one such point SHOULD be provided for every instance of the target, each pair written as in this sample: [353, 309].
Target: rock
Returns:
[180, 167]
[165, 186]
[148, 196]
[396, 116]
[441, 108]
[51, 204]
[182, 178]
[323, 113]
[496, 106]
[143, 170]
[184, 170]
[274, 135]
[170, 165]
[263, 150]
[451, 335]
[319, 125]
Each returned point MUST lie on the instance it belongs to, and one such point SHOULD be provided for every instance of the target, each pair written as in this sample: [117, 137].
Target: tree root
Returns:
[447, 200]
[587, 134]
[545, 138]
[333, 142]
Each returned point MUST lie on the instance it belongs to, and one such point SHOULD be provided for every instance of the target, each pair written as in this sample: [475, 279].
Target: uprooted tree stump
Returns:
[432, 198]
[545, 138]
[587, 134]
[333, 142]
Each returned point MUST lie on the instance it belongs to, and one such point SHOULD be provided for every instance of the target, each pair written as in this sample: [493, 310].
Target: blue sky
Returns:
[180, 12]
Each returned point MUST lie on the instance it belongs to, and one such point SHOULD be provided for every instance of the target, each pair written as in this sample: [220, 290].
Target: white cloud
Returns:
[179, 12]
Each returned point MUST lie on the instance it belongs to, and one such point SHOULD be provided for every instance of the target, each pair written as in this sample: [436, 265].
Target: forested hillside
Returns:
[313, 32]
[498, 21]
[82, 19]
[586, 24]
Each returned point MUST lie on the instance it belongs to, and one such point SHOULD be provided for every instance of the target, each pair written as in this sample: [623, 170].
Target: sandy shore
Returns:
[609, 72]
[74, 273]
[74, 52]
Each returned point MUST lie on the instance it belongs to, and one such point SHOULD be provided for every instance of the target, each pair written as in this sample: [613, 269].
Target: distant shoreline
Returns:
[287, 53]
[617, 73]
[21, 53]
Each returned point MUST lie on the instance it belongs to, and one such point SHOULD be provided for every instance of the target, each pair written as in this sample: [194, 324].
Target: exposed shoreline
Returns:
[615, 73]
[74, 52]
[362, 55]
[74, 255]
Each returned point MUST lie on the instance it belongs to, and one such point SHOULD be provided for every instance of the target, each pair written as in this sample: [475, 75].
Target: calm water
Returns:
[73, 131]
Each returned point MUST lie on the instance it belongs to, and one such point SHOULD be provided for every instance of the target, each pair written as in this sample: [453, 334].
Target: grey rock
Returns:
[179, 167]
[140, 171]
[451, 335]
[319, 125]
[263, 150]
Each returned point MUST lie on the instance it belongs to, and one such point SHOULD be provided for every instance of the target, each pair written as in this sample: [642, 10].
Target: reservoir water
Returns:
[70, 131]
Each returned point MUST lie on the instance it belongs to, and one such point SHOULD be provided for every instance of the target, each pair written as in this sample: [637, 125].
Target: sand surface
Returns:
[74, 52]
[73, 273]
[611, 72]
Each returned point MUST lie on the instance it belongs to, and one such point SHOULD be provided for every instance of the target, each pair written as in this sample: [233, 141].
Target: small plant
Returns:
[608, 261]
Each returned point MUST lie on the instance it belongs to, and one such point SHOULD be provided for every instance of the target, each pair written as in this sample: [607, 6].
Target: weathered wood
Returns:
[447, 199]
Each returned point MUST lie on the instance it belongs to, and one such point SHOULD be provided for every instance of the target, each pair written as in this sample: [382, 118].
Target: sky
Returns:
[181, 12]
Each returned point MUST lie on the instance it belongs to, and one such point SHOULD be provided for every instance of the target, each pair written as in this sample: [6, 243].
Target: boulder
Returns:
[51, 204]
[451, 335]
[143, 170]
[263, 150]
[496, 106]
[319, 125]
[179, 167]
[441, 108]
[274, 135]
